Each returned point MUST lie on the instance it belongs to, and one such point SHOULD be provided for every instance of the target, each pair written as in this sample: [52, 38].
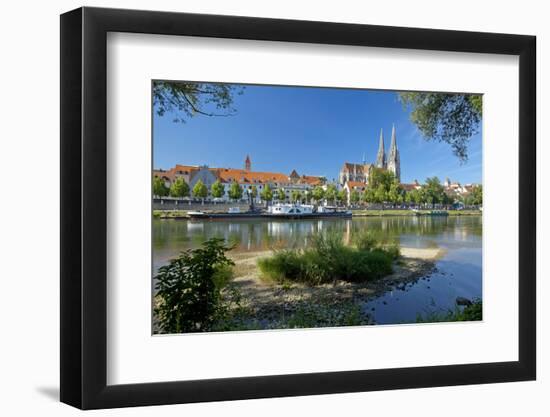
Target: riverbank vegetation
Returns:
[393, 212]
[195, 292]
[471, 312]
[327, 284]
[329, 259]
[170, 214]
[189, 288]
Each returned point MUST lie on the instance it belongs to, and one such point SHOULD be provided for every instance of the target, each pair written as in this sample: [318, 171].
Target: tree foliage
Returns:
[331, 193]
[189, 289]
[266, 194]
[434, 192]
[295, 196]
[341, 196]
[235, 191]
[475, 197]
[449, 118]
[383, 187]
[395, 193]
[186, 99]
[318, 193]
[200, 190]
[179, 188]
[380, 194]
[355, 197]
[217, 190]
[368, 195]
[379, 176]
[415, 196]
[159, 187]
[281, 196]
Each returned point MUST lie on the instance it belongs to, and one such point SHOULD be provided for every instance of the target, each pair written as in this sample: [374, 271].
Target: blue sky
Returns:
[312, 130]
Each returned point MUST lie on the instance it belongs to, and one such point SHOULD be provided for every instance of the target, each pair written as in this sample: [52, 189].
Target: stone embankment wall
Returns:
[172, 204]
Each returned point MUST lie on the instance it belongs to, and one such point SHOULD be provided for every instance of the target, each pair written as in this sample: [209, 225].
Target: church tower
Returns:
[247, 163]
[394, 163]
[381, 155]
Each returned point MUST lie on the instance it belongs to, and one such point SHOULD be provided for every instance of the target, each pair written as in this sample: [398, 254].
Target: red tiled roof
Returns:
[311, 180]
[185, 169]
[239, 175]
[243, 176]
[356, 184]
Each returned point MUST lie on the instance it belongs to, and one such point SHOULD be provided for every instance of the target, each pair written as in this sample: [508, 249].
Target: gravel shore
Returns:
[267, 302]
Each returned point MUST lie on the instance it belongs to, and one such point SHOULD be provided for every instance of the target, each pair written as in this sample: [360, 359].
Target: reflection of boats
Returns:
[431, 213]
[282, 211]
[232, 213]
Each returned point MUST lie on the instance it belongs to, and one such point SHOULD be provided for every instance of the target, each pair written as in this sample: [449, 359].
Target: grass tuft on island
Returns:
[329, 260]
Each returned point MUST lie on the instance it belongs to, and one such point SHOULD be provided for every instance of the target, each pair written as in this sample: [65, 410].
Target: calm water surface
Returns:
[458, 272]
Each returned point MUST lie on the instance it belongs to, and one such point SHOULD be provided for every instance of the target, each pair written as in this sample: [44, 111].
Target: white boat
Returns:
[296, 211]
[283, 211]
[327, 209]
[290, 209]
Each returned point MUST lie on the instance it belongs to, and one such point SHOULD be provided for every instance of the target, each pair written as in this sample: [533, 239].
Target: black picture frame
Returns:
[84, 207]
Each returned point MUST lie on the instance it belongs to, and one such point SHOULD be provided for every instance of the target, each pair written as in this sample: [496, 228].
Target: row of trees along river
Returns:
[383, 187]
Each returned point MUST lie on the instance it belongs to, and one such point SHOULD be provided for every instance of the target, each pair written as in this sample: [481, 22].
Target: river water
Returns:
[459, 271]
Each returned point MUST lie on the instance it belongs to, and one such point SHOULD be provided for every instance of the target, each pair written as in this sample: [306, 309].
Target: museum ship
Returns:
[279, 211]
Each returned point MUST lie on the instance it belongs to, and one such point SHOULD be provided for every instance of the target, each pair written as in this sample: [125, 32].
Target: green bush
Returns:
[189, 288]
[392, 250]
[473, 312]
[329, 260]
[365, 240]
[222, 275]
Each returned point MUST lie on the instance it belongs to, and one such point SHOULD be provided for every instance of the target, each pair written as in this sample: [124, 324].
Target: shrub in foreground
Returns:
[189, 288]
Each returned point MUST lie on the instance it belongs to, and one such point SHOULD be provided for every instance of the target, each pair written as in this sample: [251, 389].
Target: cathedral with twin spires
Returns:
[359, 173]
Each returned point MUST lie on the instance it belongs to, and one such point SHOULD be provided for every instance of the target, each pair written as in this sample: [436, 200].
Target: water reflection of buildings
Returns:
[171, 237]
[264, 234]
[347, 232]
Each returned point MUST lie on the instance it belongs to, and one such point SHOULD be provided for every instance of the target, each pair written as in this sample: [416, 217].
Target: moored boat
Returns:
[232, 212]
[281, 211]
[297, 211]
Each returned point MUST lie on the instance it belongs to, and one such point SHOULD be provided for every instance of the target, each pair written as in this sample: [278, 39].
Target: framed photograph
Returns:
[257, 208]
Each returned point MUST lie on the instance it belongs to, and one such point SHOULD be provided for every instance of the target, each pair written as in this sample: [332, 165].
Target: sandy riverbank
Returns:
[267, 302]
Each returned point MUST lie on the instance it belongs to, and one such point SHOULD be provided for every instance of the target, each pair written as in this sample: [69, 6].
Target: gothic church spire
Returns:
[394, 163]
[381, 155]
[393, 145]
